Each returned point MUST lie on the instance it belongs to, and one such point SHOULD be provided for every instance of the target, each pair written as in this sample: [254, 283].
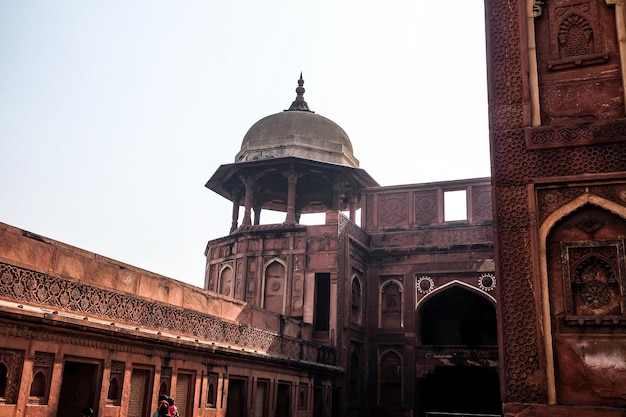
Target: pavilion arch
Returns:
[544, 231]
[226, 281]
[391, 302]
[274, 293]
[457, 314]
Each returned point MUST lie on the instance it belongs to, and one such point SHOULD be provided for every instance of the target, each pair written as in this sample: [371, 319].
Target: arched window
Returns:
[302, 396]
[114, 390]
[38, 386]
[211, 392]
[116, 382]
[163, 388]
[391, 305]
[390, 378]
[226, 284]
[356, 301]
[211, 395]
[274, 287]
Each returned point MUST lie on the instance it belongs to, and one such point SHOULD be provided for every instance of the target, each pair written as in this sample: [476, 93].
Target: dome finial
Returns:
[299, 104]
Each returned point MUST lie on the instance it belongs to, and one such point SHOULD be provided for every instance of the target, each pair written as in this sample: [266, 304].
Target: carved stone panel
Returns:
[251, 282]
[426, 208]
[239, 279]
[13, 361]
[297, 295]
[481, 204]
[393, 210]
[578, 62]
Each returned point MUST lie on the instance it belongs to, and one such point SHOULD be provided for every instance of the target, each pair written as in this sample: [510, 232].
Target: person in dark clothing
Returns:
[86, 412]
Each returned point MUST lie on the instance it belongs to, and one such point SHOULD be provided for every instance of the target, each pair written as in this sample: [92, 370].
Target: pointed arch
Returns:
[38, 386]
[356, 300]
[274, 285]
[389, 377]
[211, 395]
[212, 387]
[226, 281]
[114, 390]
[544, 230]
[457, 315]
[455, 283]
[391, 304]
[575, 36]
[164, 388]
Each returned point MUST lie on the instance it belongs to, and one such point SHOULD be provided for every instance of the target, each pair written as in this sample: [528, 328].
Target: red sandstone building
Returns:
[516, 308]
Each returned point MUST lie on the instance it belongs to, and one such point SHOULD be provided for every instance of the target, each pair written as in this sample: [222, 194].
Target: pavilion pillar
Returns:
[257, 214]
[248, 203]
[292, 180]
[235, 216]
[353, 208]
[336, 196]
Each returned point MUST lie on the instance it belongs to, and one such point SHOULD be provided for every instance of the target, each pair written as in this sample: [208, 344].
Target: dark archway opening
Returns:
[459, 324]
[459, 317]
[460, 391]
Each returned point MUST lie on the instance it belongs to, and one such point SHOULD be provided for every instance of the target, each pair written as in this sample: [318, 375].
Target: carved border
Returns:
[581, 134]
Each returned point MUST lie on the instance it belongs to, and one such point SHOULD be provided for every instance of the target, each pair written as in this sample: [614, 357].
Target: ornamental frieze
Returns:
[21, 285]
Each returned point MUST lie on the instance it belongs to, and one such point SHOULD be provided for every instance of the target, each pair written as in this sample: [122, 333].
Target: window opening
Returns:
[454, 205]
[3, 380]
[322, 302]
[211, 397]
[38, 386]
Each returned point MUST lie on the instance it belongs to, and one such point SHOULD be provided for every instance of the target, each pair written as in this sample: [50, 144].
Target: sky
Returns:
[114, 114]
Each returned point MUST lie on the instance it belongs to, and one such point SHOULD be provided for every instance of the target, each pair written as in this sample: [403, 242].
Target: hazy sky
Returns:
[114, 114]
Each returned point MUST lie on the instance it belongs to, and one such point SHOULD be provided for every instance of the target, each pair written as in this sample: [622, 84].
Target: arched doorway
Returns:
[457, 355]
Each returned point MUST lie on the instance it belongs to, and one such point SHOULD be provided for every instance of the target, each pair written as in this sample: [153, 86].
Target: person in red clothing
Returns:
[163, 409]
[173, 410]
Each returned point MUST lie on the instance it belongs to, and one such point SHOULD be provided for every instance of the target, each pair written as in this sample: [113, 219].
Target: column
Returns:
[257, 213]
[335, 204]
[292, 179]
[235, 215]
[248, 202]
[353, 208]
